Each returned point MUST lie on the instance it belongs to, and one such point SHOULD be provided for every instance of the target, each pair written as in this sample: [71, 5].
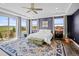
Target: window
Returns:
[12, 27]
[3, 27]
[59, 21]
[7, 28]
[34, 24]
[23, 27]
[44, 23]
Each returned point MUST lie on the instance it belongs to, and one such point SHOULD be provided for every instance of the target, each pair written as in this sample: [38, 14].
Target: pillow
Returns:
[45, 30]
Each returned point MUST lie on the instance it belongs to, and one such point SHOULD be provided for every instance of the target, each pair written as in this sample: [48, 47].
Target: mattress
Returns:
[41, 36]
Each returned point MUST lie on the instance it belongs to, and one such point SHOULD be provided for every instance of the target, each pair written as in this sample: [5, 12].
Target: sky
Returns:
[59, 21]
[34, 23]
[3, 21]
[23, 22]
[12, 21]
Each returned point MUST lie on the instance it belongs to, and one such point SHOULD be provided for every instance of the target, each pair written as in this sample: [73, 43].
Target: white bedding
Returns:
[42, 35]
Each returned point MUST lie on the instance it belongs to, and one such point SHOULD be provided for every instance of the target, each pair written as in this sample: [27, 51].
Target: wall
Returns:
[76, 25]
[73, 26]
[70, 27]
[50, 23]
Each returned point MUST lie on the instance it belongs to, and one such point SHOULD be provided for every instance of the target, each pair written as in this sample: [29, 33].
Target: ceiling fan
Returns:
[32, 8]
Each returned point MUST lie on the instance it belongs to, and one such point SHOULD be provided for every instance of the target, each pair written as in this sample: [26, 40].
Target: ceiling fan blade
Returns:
[28, 11]
[32, 6]
[35, 12]
[38, 8]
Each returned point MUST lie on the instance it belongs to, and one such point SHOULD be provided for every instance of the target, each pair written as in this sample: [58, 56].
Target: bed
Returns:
[40, 37]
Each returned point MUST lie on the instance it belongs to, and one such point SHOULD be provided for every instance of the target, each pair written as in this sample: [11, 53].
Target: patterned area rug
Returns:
[23, 48]
[60, 49]
[36, 51]
[9, 48]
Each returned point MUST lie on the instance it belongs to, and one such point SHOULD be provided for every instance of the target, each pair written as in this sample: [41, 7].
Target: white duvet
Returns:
[46, 36]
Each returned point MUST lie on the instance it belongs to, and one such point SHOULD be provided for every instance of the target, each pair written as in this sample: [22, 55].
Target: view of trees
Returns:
[23, 28]
[34, 24]
[8, 27]
[23, 25]
[7, 30]
[12, 27]
[3, 27]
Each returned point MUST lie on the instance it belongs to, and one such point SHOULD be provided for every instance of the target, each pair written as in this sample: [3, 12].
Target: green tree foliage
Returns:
[11, 34]
[0, 35]
[14, 29]
[23, 28]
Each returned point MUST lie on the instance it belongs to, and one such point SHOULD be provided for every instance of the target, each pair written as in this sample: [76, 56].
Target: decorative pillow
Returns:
[45, 30]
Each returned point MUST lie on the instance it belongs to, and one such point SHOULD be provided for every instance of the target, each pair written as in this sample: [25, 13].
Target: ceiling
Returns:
[49, 9]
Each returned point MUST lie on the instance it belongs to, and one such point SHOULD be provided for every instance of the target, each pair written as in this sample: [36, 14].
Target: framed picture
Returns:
[44, 23]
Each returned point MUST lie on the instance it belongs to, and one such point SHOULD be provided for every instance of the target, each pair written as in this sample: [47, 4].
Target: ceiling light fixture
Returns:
[56, 8]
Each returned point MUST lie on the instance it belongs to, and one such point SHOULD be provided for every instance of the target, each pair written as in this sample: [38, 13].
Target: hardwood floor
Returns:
[68, 48]
[71, 50]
